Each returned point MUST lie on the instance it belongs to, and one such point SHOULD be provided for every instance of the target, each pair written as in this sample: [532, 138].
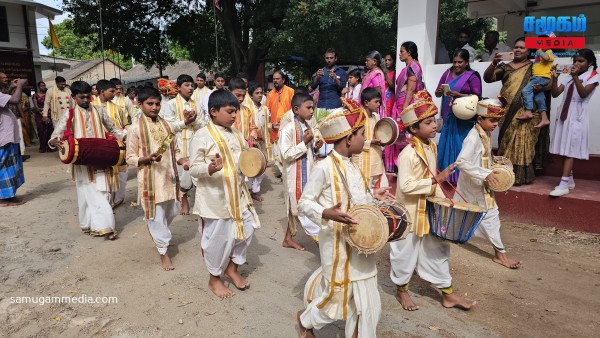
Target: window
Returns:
[3, 25]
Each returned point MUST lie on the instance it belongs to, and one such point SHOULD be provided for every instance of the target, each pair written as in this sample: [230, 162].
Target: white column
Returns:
[418, 22]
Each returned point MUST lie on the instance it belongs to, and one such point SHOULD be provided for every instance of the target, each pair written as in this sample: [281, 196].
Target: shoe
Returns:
[571, 186]
[559, 192]
[26, 157]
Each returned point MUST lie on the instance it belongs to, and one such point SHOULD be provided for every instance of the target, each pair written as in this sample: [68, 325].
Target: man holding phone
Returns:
[330, 79]
[493, 46]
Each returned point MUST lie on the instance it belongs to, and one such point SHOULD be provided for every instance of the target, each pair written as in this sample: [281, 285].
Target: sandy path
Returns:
[43, 253]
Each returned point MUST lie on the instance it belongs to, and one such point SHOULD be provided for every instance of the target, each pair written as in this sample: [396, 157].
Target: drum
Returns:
[386, 130]
[253, 162]
[376, 226]
[505, 176]
[96, 152]
[465, 108]
[456, 223]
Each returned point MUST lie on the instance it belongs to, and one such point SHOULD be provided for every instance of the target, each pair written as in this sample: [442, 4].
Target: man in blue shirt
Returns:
[330, 80]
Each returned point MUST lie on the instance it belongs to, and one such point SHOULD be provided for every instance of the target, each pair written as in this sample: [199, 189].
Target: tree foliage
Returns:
[80, 47]
[453, 18]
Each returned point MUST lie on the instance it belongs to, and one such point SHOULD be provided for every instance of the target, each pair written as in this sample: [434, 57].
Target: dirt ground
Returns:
[43, 253]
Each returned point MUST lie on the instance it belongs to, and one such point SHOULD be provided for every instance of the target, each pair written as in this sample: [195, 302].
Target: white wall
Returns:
[432, 74]
[16, 30]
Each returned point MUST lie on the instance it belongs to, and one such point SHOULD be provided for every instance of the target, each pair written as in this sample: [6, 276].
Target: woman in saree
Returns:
[517, 138]
[408, 83]
[463, 81]
[390, 76]
[374, 77]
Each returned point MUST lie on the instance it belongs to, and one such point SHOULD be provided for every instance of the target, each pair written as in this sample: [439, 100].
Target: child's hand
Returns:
[184, 163]
[336, 214]
[189, 117]
[439, 92]
[308, 136]
[376, 142]
[56, 143]
[155, 158]
[345, 91]
[319, 144]
[492, 179]
[383, 194]
[554, 73]
[443, 176]
[215, 165]
[575, 71]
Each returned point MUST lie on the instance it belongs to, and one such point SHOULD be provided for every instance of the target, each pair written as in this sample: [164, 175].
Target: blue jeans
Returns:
[529, 96]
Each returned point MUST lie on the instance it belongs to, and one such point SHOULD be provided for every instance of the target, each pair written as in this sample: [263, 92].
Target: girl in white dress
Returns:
[570, 136]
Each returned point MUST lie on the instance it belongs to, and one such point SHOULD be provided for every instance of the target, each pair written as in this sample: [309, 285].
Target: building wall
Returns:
[97, 73]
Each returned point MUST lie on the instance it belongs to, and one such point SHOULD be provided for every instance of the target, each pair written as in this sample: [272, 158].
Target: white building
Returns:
[19, 45]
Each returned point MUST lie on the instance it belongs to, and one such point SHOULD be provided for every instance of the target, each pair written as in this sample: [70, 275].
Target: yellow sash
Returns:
[266, 130]
[422, 224]
[185, 134]
[230, 179]
[366, 155]
[485, 137]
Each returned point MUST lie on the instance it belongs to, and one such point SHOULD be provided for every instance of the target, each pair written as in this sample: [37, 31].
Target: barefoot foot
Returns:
[256, 197]
[502, 259]
[185, 206]
[404, 299]
[543, 123]
[289, 243]
[215, 284]
[165, 262]
[240, 282]
[454, 300]
[302, 331]
[11, 202]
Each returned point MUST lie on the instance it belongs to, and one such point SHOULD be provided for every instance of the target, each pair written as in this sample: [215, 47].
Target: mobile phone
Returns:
[445, 88]
[564, 68]
[508, 56]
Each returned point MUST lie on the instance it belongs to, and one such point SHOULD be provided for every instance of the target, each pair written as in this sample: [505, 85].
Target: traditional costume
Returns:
[419, 251]
[227, 218]
[124, 103]
[93, 186]
[370, 161]
[262, 118]
[158, 182]
[57, 102]
[345, 286]
[298, 160]
[173, 113]
[201, 96]
[474, 162]
[279, 102]
[244, 122]
[119, 117]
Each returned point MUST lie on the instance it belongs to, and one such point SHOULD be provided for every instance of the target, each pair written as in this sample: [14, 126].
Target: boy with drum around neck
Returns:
[420, 251]
[475, 162]
[345, 286]
[93, 186]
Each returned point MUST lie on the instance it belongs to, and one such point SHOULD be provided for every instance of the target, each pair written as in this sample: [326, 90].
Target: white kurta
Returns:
[472, 186]
[570, 137]
[427, 255]
[363, 303]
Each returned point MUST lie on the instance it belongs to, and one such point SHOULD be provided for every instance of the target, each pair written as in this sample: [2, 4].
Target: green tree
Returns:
[453, 18]
[80, 47]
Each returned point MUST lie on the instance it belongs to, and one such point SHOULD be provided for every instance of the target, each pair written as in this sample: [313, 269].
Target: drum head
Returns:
[252, 162]
[371, 232]
[386, 130]
[63, 154]
[505, 176]
[398, 220]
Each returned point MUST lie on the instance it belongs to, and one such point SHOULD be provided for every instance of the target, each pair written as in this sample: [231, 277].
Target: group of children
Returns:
[179, 144]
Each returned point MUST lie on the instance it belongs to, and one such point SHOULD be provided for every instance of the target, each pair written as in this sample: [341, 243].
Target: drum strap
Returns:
[485, 137]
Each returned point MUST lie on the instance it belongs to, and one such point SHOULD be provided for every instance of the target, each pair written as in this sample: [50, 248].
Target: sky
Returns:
[42, 24]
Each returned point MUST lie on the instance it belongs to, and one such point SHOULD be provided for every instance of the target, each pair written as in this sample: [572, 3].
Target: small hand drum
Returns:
[253, 162]
[386, 130]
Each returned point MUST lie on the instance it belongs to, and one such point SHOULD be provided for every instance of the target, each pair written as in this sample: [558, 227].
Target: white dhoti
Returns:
[95, 212]
[219, 244]
[490, 229]
[364, 306]
[427, 254]
[253, 183]
[185, 180]
[310, 228]
[164, 214]
[120, 193]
